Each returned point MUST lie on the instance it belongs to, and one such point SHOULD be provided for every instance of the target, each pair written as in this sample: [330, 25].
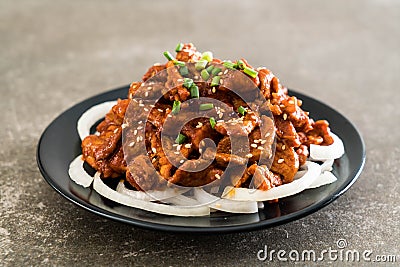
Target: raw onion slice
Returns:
[327, 165]
[150, 195]
[182, 200]
[113, 195]
[325, 178]
[78, 174]
[91, 116]
[297, 186]
[333, 151]
[227, 205]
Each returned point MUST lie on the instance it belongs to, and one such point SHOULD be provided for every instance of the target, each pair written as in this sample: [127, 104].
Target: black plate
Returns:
[60, 144]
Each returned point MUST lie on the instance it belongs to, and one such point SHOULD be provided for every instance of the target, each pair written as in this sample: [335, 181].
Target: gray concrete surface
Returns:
[56, 53]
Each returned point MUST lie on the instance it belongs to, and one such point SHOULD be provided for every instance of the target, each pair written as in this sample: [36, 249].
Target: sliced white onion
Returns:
[227, 205]
[78, 174]
[91, 116]
[327, 165]
[333, 151]
[150, 195]
[325, 178]
[182, 200]
[113, 195]
[244, 194]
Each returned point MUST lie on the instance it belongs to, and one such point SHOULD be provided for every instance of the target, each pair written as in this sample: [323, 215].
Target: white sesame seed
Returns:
[221, 81]
[140, 127]
[213, 90]
[178, 147]
[196, 77]
[146, 109]
[284, 116]
[249, 155]
[226, 71]
[141, 105]
[220, 121]
[220, 73]
[291, 102]
[179, 80]
[260, 148]
[256, 141]
[140, 122]
[176, 152]
[116, 130]
[169, 116]
[124, 125]
[220, 115]
[253, 145]
[140, 138]
[263, 142]
[280, 161]
[188, 145]
[149, 87]
[135, 132]
[267, 134]
[153, 160]
[154, 150]
[283, 147]
[160, 110]
[182, 161]
[202, 143]
[146, 94]
[157, 64]
[131, 144]
[152, 105]
[217, 176]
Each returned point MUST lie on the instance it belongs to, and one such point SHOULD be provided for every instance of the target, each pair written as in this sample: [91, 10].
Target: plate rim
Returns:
[201, 229]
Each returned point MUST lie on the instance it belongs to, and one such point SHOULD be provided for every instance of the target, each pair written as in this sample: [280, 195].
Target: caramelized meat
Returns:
[166, 161]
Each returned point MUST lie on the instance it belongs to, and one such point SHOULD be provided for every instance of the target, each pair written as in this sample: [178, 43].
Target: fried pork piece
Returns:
[199, 178]
[188, 53]
[263, 178]
[286, 162]
[102, 151]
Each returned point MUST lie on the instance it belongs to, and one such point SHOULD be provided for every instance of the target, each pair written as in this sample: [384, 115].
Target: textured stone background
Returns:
[56, 53]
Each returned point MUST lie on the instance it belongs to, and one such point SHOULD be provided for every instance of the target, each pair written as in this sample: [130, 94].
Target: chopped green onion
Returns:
[201, 64]
[240, 64]
[249, 71]
[204, 74]
[176, 107]
[183, 70]
[180, 139]
[215, 81]
[179, 63]
[179, 47]
[168, 55]
[215, 71]
[194, 91]
[207, 56]
[187, 82]
[212, 122]
[229, 65]
[242, 110]
[210, 68]
[206, 106]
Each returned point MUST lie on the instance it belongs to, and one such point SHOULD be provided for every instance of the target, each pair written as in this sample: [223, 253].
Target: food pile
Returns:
[209, 99]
